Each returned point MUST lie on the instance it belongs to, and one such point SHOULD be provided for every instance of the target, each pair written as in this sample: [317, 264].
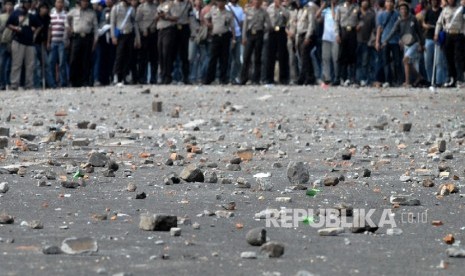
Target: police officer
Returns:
[291, 29]
[125, 35]
[277, 43]
[82, 26]
[346, 21]
[306, 40]
[166, 26]
[256, 23]
[182, 10]
[145, 18]
[221, 23]
[452, 22]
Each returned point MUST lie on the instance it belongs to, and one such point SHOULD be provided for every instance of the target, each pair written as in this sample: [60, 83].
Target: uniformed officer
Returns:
[291, 29]
[306, 39]
[256, 23]
[182, 10]
[277, 44]
[221, 23]
[125, 35]
[451, 21]
[82, 26]
[346, 21]
[166, 26]
[145, 18]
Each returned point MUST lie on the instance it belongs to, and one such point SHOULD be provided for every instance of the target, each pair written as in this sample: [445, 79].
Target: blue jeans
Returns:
[366, 61]
[5, 66]
[235, 63]
[56, 56]
[390, 65]
[441, 68]
[197, 57]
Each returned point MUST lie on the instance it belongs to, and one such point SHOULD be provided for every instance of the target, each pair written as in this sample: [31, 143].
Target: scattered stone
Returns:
[256, 236]
[157, 106]
[248, 255]
[4, 131]
[455, 252]
[83, 124]
[428, 183]
[449, 239]
[36, 224]
[51, 250]
[404, 200]
[346, 155]
[442, 146]
[192, 173]
[175, 232]
[210, 177]
[242, 183]
[272, 249]
[6, 219]
[236, 160]
[4, 187]
[108, 173]
[131, 187]
[75, 246]
[297, 173]
[366, 173]
[80, 142]
[332, 231]
[224, 214]
[283, 199]
[298, 187]
[394, 232]
[69, 184]
[233, 167]
[3, 142]
[245, 154]
[405, 178]
[147, 222]
[141, 196]
[112, 165]
[331, 181]
[264, 184]
[364, 229]
[406, 127]
[446, 189]
[98, 159]
[458, 134]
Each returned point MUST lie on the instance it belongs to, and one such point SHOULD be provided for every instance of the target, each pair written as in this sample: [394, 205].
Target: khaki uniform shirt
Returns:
[445, 20]
[306, 21]
[256, 20]
[82, 22]
[223, 21]
[346, 17]
[279, 17]
[166, 8]
[145, 17]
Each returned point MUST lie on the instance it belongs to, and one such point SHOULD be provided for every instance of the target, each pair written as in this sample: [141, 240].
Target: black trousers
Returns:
[148, 54]
[219, 51]
[347, 54]
[306, 75]
[183, 34]
[277, 49]
[253, 46]
[123, 59]
[80, 60]
[454, 48]
[166, 53]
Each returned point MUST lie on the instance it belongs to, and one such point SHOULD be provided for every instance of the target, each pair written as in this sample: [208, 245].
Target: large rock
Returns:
[147, 222]
[272, 249]
[192, 173]
[256, 236]
[98, 159]
[297, 173]
[4, 131]
[4, 187]
[75, 246]
[3, 142]
[157, 222]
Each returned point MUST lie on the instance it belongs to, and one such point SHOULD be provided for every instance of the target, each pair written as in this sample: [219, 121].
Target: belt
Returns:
[254, 32]
[453, 32]
[81, 34]
[279, 28]
[221, 35]
[349, 28]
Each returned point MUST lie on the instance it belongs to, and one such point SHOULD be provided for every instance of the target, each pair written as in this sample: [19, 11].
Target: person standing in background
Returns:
[24, 25]
[6, 36]
[235, 63]
[148, 54]
[306, 38]
[256, 23]
[182, 10]
[56, 44]
[277, 44]
[82, 27]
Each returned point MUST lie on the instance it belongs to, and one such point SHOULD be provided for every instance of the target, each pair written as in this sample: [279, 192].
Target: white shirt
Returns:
[237, 12]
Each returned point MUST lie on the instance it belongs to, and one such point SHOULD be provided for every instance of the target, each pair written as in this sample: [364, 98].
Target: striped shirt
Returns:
[57, 26]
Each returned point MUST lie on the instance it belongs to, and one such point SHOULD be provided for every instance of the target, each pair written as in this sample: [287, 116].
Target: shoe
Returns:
[346, 83]
[450, 84]
[385, 85]
[363, 83]
[336, 83]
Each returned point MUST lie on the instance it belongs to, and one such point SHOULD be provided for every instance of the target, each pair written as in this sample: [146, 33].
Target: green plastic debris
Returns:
[78, 174]
[312, 192]
[307, 220]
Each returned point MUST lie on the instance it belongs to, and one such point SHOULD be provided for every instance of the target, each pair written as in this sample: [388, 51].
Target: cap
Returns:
[403, 3]
[94, 1]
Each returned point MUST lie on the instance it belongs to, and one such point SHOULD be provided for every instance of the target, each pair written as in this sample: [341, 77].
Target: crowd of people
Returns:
[55, 43]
